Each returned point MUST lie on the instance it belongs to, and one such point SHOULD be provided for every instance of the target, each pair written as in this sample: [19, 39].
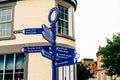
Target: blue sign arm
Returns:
[32, 31]
[46, 54]
[64, 63]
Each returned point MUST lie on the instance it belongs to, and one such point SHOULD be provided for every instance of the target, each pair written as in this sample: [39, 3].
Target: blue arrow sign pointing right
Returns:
[66, 62]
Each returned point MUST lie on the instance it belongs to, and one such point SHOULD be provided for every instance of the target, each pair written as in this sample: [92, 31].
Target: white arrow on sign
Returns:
[46, 54]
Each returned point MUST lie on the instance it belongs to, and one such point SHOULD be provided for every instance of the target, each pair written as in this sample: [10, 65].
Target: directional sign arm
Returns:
[47, 37]
[64, 63]
[34, 49]
[48, 34]
[46, 54]
[29, 31]
[47, 30]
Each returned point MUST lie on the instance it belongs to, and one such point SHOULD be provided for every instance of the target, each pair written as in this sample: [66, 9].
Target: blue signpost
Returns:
[53, 28]
[60, 56]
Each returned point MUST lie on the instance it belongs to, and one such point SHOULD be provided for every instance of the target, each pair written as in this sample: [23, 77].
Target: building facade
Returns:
[101, 72]
[91, 66]
[16, 15]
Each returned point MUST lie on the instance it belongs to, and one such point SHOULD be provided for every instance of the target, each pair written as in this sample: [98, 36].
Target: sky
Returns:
[95, 20]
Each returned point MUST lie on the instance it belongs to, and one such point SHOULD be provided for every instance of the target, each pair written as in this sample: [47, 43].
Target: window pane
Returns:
[14, 64]
[19, 61]
[9, 67]
[62, 15]
[5, 30]
[19, 74]
[1, 66]
[19, 66]
[66, 11]
[5, 14]
[5, 22]
[66, 17]
[9, 62]
[3, 18]
[1, 62]
[59, 29]
[8, 76]
[63, 21]
[8, 17]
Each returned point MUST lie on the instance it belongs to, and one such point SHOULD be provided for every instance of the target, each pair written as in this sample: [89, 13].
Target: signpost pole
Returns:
[66, 55]
[53, 28]
[54, 53]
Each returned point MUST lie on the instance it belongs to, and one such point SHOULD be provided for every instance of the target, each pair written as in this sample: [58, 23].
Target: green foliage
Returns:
[111, 55]
[82, 72]
[0, 77]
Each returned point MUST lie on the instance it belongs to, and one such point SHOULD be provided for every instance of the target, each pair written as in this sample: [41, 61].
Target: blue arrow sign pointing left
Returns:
[33, 49]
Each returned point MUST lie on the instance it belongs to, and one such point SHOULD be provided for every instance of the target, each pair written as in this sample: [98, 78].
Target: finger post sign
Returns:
[60, 56]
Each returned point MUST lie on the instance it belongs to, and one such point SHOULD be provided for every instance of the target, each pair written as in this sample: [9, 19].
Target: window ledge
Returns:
[8, 38]
[65, 36]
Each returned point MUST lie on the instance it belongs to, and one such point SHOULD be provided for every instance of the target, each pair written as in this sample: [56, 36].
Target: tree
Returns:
[111, 55]
[82, 72]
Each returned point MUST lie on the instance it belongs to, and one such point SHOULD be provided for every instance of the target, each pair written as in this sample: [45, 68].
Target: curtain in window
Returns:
[9, 62]
[19, 61]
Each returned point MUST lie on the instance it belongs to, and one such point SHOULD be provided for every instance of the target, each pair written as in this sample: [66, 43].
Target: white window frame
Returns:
[14, 63]
[70, 20]
[66, 73]
[102, 76]
[114, 76]
[7, 23]
[70, 25]
[108, 77]
[65, 26]
[9, 35]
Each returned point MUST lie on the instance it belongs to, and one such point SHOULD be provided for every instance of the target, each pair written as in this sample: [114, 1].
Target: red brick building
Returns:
[91, 65]
[101, 72]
